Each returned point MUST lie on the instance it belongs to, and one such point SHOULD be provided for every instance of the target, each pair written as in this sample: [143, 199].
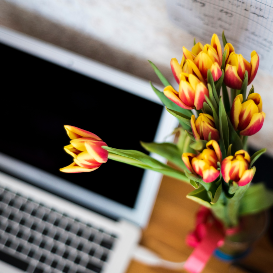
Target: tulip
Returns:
[236, 65]
[235, 168]
[191, 93]
[205, 164]
[199, 60]
[247, 117]
[86, 149]
[203, 126]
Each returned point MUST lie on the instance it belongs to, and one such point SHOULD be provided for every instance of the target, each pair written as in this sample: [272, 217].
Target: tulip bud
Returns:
[247, 117]
[203, 126]
[191, 93]
[204, 164]
[236, 65]
[235, 168]
[86, 149]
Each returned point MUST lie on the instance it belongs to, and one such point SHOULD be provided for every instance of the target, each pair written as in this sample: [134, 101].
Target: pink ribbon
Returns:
[208, 235]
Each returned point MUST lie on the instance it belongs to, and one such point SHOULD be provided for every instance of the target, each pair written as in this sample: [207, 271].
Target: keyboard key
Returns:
[42, 244]
[31, 253]
[68, 242]
[54, 249]
[57, 222]
[57, 236]
[34, 226]
[11, 216]
[38, 270]
[66, 254]
[92, 252]
[22, 222]
[77, 260]
[19, 234]
[45, 217]
[7, 258]
[66, 269]
[19, 248]
[92, 266]
[31, 239]
[91, 238]
[80, 247]
[45, 231]
[8, 243]
[8, 229]
[106, 243]
[54, 264]
[80, 232]
[43, 258]
[68, 227]
[104, 257]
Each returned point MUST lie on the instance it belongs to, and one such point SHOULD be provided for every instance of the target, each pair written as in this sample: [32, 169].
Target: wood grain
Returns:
[172, 218]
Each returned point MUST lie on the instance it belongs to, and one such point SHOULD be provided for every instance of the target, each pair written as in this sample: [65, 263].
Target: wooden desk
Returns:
[171, 220]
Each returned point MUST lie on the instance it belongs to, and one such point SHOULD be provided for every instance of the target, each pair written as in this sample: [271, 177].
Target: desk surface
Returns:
[172, 218]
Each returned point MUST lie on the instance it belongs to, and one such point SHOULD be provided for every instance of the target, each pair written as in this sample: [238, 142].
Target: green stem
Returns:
[244, 140]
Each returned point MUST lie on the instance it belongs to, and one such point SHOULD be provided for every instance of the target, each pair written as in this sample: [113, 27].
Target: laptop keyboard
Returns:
[37, 239]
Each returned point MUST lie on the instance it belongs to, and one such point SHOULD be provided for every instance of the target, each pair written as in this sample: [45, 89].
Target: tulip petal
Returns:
[197, 48]
[248, 68]
[254, 65]
[241, 66]
[213, 145]
[71, 150]
[174, 98]
[75, 132]
[195, 69]
[216, 72]
[194, 131]
[186, 94]
[247, 177]
[229, 48]
[187, 159]
[245, 155]
[79, 143]
[95, 150]
[255, 125]
[193, 80]
[199, 165]
[215, 43]
[231, 78]
[188, 55]
[74, 168]
[225, 168]
[200, 95]
[236, 110]
[210, 174]
[257, 99]
[203, 63]
[208, 129]
[176, 69]
[249, 108]
[84, 159]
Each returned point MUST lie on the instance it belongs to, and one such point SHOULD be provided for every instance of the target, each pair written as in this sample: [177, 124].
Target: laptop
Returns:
[57, 222]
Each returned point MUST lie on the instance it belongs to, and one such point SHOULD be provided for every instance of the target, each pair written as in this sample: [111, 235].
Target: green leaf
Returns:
[141, 160]
[234, 204]
[226, 98]
[257, 198]
[209, 137]
[229, 150]
[164, 81]
[181, 117]
[194, 184]
[251, 90]
[171, 105]
[200, 196]
[223, 124]
[211, 82]
[199, 145]
[194, 42]
[191, 136]
[214, 113]
[224, 39]
[233, 187]
[234, 139]
[166, 150]
[255, 156]
[222, 147]
[244, 86]
[211, 97]
[206, 108]
[217, 194]
[224, 60]
[219, 83]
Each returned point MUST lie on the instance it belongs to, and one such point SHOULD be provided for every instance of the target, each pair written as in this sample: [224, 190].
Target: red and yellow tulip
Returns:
[236, 65]
[85, 148]
[191, 93]
[205, 164]
[235, 168]
[247, 117]
[199, 60]
[203, 126]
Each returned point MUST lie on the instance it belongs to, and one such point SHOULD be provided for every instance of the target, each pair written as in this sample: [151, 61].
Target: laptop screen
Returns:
[39, 98]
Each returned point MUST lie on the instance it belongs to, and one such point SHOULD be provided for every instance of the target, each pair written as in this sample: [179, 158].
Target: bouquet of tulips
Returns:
[216, 116]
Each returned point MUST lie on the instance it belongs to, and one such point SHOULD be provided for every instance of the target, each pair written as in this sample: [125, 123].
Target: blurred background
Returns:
[124, 35]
